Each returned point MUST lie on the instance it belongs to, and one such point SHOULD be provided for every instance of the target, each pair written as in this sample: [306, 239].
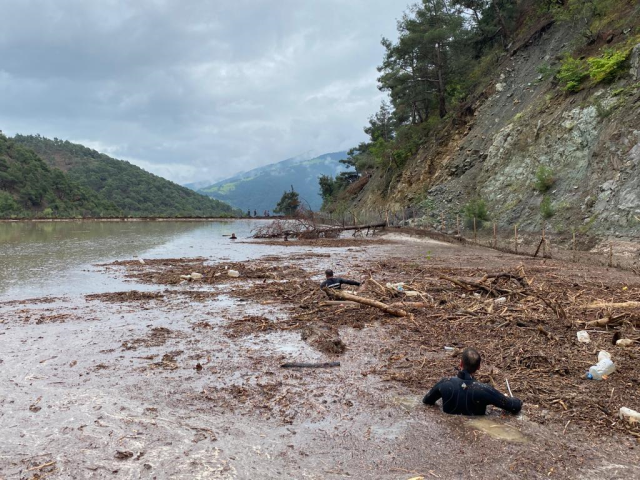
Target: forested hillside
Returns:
[521, 112]
[30, 188]
[134, 191]
[260, 189]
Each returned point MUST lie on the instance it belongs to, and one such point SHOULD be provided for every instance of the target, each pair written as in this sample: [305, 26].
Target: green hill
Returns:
[260, 189]
[135, 191]
[30, 188]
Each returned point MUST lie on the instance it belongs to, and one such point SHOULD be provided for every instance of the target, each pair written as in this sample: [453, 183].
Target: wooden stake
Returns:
[515, 235]
[610, 255]
[495, 237]
[458, 224]
[475, 231]
[574, 245]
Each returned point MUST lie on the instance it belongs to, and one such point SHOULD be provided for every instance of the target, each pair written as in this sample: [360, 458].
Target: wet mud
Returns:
[184, 379]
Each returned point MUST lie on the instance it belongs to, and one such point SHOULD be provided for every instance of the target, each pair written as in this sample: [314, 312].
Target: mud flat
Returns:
[181, 377]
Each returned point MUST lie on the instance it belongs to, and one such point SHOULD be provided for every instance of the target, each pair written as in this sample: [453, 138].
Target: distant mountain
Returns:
[195, 186]
[136, 192]
[30, 188]
[261, 188]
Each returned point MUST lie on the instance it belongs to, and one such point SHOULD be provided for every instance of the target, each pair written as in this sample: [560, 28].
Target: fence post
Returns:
[475, 231]
[515, 236]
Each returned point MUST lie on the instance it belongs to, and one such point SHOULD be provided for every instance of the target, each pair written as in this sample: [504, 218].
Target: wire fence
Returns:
[573, 245]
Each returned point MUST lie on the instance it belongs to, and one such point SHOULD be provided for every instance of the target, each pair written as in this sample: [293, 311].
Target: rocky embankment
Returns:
[588, 142]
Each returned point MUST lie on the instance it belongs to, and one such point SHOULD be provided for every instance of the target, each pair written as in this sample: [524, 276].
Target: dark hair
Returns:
[328, 273]
[471, 360]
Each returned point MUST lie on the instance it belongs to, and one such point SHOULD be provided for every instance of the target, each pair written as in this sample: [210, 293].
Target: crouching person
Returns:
[463, 395]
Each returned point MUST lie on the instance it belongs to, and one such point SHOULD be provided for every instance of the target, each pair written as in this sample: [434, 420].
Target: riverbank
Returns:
[131, 219]
[182, 379]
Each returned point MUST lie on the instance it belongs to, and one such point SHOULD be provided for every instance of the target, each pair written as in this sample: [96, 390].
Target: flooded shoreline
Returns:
[166, 378]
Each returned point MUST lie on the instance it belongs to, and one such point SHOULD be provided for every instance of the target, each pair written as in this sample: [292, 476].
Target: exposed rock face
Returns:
[590, 141]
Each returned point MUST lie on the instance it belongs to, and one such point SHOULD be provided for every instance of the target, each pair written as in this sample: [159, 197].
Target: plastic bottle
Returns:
[603, 368]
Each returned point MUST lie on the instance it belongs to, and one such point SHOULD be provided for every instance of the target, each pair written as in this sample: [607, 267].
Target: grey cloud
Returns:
[198, 88]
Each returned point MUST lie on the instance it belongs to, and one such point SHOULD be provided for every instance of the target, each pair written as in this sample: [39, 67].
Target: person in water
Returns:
[336, 282]
[233, 237]
[463, 395]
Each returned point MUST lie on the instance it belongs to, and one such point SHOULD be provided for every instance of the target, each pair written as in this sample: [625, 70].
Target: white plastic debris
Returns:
[629, 415]
[233, 273]
[196, 276]
[624, 342]
[583, 336]
[500, 301]
[603, 368]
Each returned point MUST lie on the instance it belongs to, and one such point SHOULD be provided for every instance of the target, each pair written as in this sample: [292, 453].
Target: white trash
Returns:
[233, 273]
[624, 342]
[629, 415]
[603, 368]
[185, 277]
[196, 276]
[500, 301]
[583, 336]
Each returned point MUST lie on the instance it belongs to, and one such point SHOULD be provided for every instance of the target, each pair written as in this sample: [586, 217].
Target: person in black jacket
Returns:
[336, 282]
[463, 395]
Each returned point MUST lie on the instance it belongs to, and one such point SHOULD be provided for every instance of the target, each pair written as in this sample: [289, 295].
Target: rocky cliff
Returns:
[522, 126]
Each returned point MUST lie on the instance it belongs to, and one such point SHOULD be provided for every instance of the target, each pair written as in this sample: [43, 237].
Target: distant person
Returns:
[463, 395]
[233, 237]
[255, 214]
[248, 213]
[336, 282]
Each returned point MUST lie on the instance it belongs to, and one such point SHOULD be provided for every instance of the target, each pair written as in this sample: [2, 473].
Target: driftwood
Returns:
[614, 305]
[489, 287]
[310, 365]
[396, 312]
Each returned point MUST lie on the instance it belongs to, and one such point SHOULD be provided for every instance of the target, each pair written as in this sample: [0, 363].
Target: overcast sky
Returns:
[194, 89]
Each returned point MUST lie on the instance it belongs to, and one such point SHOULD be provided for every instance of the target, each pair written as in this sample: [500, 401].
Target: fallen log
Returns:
[614, 305]
[396, 312]
[310, 365]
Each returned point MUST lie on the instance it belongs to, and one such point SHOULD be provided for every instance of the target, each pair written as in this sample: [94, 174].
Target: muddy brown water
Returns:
[93, 389]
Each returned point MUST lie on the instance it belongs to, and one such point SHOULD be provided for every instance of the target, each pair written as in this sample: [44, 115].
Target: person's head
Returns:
[328, 273]
[470, 360]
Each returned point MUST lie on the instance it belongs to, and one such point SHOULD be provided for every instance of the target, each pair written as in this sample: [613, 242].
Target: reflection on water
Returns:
[501, 431]
[55, 258]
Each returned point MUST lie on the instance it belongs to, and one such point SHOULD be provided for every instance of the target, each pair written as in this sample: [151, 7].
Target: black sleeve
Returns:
[324, 284]
[344, 281]
[433, 395]
[510, 404]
